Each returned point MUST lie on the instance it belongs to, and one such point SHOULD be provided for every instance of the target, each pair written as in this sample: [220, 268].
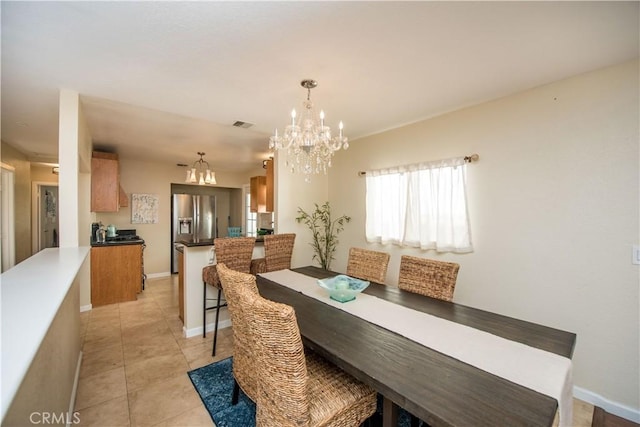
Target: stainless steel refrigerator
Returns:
[193, 218]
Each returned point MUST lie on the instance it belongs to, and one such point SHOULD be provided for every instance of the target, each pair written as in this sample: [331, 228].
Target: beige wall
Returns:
[22, 192]
[41, 173]
[554, 207]
[293, 192]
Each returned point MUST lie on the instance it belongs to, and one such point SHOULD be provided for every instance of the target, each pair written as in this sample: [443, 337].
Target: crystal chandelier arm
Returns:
[308, 142]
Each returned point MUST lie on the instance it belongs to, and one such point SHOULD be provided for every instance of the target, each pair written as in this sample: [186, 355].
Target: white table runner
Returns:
[539, 370]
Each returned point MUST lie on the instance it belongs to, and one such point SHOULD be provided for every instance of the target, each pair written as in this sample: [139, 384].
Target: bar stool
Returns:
[235, 253]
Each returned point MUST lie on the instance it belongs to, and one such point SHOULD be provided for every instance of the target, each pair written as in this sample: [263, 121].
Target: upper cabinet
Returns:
[262, 191]
[106, 194]
[269, 202]
[258, 194]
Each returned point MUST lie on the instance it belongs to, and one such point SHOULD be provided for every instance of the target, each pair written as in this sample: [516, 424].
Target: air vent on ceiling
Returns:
[241, 124]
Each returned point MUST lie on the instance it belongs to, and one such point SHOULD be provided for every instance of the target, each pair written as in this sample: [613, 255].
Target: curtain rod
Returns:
[467, 159]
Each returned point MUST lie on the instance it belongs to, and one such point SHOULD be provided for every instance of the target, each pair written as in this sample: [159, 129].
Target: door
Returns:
[44, 216]
[7, 217]
[49, 225]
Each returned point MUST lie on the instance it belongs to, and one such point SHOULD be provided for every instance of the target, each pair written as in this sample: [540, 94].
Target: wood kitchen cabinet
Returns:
[258, 190]
[262, 190]
[106, 193]
[115, 273]
[270, 187]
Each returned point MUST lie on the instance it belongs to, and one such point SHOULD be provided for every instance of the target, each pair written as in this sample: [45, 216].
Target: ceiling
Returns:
[163, 80]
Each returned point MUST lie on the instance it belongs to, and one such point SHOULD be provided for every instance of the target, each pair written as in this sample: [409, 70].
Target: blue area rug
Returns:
[214, 384]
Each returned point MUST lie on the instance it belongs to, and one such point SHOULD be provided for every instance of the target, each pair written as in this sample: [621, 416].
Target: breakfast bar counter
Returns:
[195, 256]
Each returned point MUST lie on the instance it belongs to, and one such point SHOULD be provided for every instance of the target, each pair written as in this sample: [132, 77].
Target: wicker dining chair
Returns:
[278, 249]
[235, 253]
[369, 265]
[244, 345]
[297, 389]
[435, 279]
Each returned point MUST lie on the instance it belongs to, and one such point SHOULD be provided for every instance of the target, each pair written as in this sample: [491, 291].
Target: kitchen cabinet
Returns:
[258, 190]
[270, 187]
[262, 190]
[106, 193]
[115, 273]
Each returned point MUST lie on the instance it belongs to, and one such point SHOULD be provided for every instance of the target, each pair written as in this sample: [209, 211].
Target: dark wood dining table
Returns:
[436, 388]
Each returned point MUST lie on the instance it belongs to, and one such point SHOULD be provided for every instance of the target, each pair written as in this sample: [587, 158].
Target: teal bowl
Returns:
[343, 288]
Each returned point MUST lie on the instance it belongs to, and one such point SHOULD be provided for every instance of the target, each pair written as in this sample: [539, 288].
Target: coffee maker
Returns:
[97, 233]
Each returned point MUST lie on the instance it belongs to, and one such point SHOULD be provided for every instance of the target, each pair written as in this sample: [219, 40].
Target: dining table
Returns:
[435, 387]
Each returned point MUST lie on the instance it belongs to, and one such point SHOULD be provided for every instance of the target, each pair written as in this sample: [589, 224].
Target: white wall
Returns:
[292, 192]
[68, 156]
[74, 146]
[554, 206]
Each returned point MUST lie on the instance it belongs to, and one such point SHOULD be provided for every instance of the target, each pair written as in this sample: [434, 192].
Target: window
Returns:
[252, 217]
[421, 205]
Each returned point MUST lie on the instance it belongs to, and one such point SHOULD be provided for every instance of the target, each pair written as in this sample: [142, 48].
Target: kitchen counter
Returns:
[196, 256]
[208, 242]
[117, 243]
[117, 273]
[191, 243]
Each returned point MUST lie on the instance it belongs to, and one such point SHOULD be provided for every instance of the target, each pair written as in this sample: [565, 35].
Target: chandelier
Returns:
[200, 173]
[308, 142]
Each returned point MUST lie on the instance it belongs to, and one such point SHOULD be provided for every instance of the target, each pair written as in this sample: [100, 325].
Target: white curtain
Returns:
[422, 205]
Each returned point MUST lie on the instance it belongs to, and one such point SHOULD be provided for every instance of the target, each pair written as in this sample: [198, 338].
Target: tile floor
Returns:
[135, 364]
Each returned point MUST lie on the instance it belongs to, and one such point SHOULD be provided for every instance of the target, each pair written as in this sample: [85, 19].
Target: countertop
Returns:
[117, 243]
[201, 242]
[207, 242]
[32, 292]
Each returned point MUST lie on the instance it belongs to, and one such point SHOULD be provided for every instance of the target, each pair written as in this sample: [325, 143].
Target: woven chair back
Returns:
[369, 265]
[238, 288]
[234, 252]
[435, 279]
[282, 391]
[278, 249]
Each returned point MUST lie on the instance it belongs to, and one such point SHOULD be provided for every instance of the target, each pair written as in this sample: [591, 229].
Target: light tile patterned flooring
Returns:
[135, 364]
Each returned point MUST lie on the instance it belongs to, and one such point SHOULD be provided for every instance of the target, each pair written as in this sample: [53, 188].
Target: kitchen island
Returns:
[195, 256]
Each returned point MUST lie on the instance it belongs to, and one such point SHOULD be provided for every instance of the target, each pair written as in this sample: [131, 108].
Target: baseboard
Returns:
[615, 408]
[158, 275]
[71, 417]
[85, 308]
[188, 333]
